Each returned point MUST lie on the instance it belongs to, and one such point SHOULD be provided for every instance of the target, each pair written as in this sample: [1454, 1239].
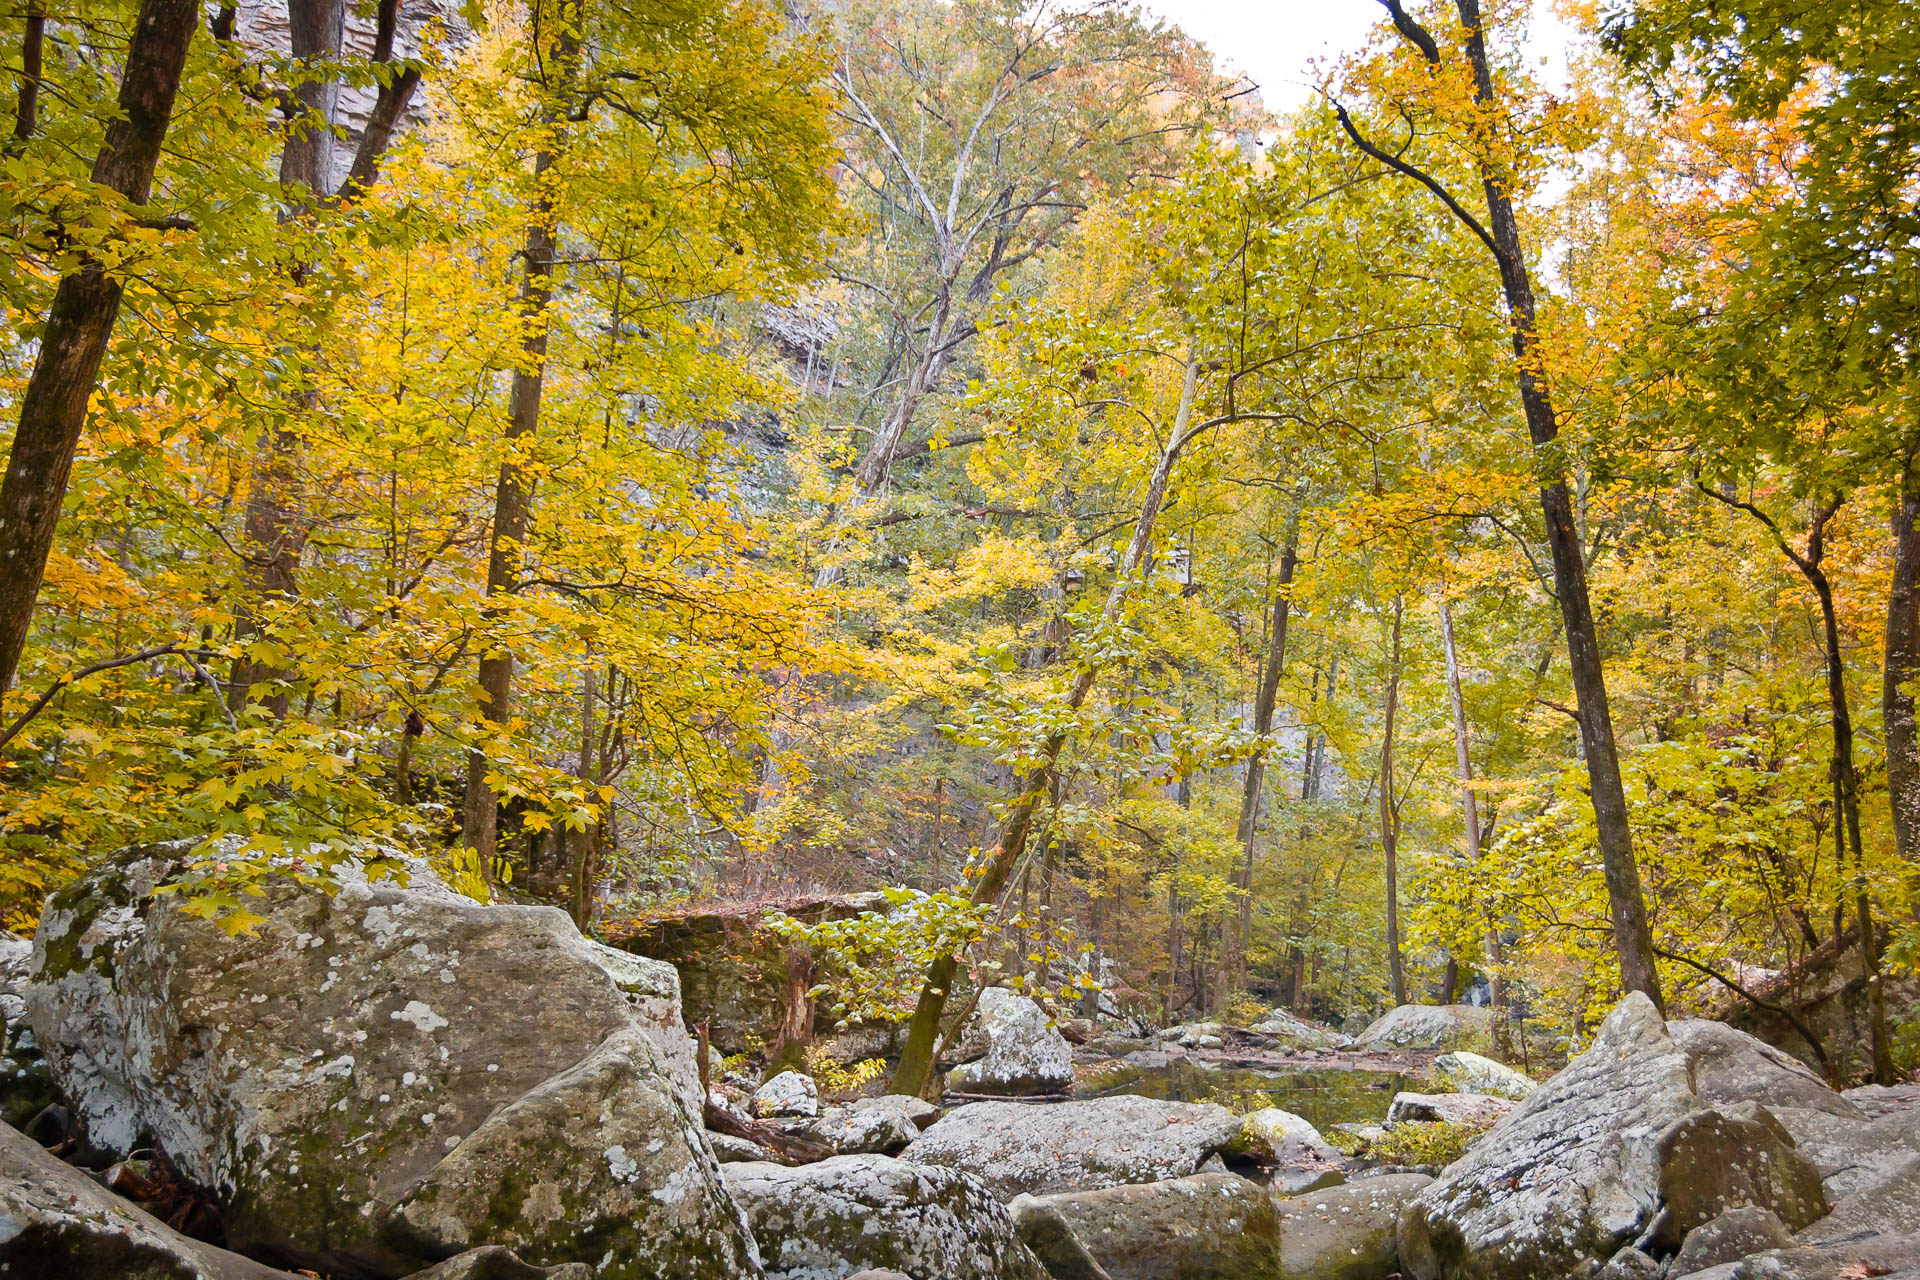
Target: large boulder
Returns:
[1730, 1237]
[1466, 1072]
[1730, 1066]
[1738, 1158]
[1570, 1176]
[57, 1222]
[788, 1094]
[1288, 1145]
[1479, 1110]
[1290, 1032]
[366, 1084]
[1890, 1206]
[1076, 1146]
[854, 1213]
[26, 1086]
[1212, 1226]
[861, 1128]
[1427, 1026]
[1025, 1054]
[1851, 1155]
[1344, 1233]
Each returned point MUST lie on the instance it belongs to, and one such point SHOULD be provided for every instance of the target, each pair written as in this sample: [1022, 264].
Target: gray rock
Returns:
[1076, 1146]
[1148, 1059]
[1851, 1154]
[788, 1094]
[26, 1085]
[1713, 1161]
[494, 1263]
[1344, 1233]
[1629, 1264]
[1571, 1175]
[918, 1111]
[1301, 1160]
[1730, 1237]
[1890, 1206]
[879, 1275]
[57, 1222]
[856, 1131]
[1290, 1032]
[1044, 1230]
[1890, 1257]
[1211, 1226]
[728, 1149]
[1878, 1100]
[1465, 1072]
[854, 1213]
[1480, 1110]
[1730, 1066]
[358, 1086]
[1025, 1053]
[1426, 1026]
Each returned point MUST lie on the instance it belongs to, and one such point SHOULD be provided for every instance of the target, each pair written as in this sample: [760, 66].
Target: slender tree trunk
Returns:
[1235, 962]
[1901, 673]
[916, 1056]
[1390, 818]
[53, 408]
[1469, 804]
[26, 116]
[512, 500]
[583, 838]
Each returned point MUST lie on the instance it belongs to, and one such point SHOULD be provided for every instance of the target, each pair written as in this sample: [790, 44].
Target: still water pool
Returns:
[1323, 1097]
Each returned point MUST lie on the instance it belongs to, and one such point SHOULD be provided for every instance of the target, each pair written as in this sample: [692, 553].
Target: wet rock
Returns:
[1730, 1237]
[1480, 1110]
[1425, 1026]
[1571, 1175]
[788, 1094]
[360, 1088]
[1076, 1146]
[1713, 1161]
[1025, 1053]
[57, 1222]
[1344, 1233]
[1300, 1158]
[1730, 1066]
[1211, 1226]
[1465, 1072]
[495, 1263]
[853, 1213]
[1888, 1206]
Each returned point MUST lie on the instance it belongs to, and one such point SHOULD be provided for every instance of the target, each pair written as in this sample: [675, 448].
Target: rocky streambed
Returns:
[395, 1081]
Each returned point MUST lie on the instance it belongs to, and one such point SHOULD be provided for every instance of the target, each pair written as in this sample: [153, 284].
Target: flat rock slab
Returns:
[856, 1213]
[1730, 1067]
[58, 1224]
[1571, 1176]
[1890, 1206]
[1075, 1146]
[1344, 1233]
[1851, 1155]
[1212, 1226]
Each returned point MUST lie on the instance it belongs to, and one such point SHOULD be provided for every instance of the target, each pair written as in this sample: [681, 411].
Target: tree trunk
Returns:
[53, 408]
[916, 1056]
[1632, 937]
[512, 498]
[583, 838]
[1234, 966]
[1901, 673]
[1470, 808]
[1390, 818]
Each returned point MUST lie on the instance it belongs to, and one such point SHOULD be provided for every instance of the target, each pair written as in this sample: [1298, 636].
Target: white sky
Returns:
[1276, 41]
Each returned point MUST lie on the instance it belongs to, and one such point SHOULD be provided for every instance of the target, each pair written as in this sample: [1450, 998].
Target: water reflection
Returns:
[1323, 1097]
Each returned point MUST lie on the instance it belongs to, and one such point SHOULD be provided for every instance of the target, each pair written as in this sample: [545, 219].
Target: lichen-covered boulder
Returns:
[1571, 1175]
[790, 1093]
[1730, 1066]
[1465, 1072]
[858, 1130]
[26, 1086]
[1076, 1146]
[494, 1263]
[1211, 1226]
[1738, 1158]
[376, 1079]
[1851, 1154]
[1889, 1206]
[1344, 1233]
[55, 1222]
[1025, 1054]
[1477, 1109]
[1730, 1237]
[854, 1213]
[1290, 1032]
[1291, 1147]
[1428, 1026]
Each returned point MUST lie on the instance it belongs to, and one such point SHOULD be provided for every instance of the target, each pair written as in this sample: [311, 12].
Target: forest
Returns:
[1451, 541]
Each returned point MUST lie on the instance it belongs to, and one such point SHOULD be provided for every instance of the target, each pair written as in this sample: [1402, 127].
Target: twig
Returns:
[53, 690]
